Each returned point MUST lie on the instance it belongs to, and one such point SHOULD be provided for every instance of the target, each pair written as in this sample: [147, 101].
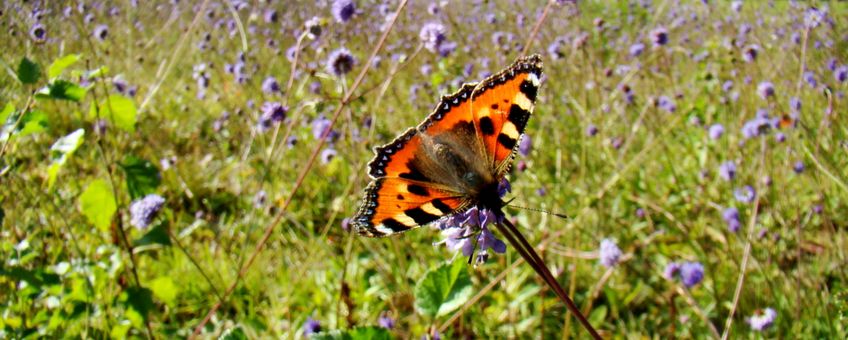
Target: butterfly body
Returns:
[455, 159]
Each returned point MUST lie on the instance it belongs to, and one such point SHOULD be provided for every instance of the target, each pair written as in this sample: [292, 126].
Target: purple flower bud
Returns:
[671, 270]
[731, 217]
[762, 319]
[637, 49]
[609, 253]
[691, 273]
[659, 36]
[841, 74]
[346, 224]
[525, 145]
[38, 33]
[810, 78]
[311, 326]
[386, 321]
[591, 130]
[144, 210]
[340, 62]
[798, 167]
[343, 10]
[716, 131]
[765, 89]
[328, 154]
[727, 170]
[101, 32]
[745, 194]
[795, 104]
[432, 35]
[270, 85]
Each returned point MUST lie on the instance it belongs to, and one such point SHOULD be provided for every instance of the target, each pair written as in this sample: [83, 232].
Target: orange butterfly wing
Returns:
[496, 110]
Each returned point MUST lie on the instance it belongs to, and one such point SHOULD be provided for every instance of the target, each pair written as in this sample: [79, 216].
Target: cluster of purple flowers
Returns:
[762, 319]
[609, 254]
[469, 229]
[144, 210]
[730, 216]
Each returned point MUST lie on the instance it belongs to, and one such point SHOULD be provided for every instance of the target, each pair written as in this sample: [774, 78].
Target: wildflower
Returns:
[274, 111]
[691, 273]
[555, 50]
[731, 217]
[525, 145]
[311, 326]
[736, 6]
[780, 137]
[386, 321]
[765, 89]
[671, 270]
[259, 199]
[667, 104]
[328, 154]
[762, 319]
[640, 213]
[727, 85]
[814, 17]
[271, 16]
[659, 36]
[340, 62]
[460, 230]
[38, 33]
[749, 54]
[432, 35]
[727, 170]
[343, 10]
[270, 85]
[810, 78]
[346, 224]
[101, 32]
[745, 194]
[798, 167]
[504, 187]
[591, 130]
[313, 28]
[716, 130]
[609, 253]
[795, 104]
[100, 127]
[144, 210]
[756, 127]
[321, 126]
[841, 73]
[637, 49]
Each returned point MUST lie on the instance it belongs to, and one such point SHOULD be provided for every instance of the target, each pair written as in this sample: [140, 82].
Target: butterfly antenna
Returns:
[539, 210]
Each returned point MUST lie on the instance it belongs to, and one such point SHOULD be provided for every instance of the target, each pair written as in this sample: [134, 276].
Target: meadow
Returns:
[188, 169]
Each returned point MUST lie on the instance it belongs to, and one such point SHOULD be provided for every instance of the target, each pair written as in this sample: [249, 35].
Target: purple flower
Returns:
[38, 33]
[346, 224]
[765, 89]
[756, 127]
[749, 54]
[814, 17]
[259, 199]
[270, 85]
[810, 78]
[659, 36]
[736, 6]
[727, 170]
[525, 145]
[762, 319]
[671, 270]
[504, 187]
[386, 321]
[841, 73]
[101, 32]
[340, 62]
[731, 217]
[727, 85]
[313, 28]
[780, 137]
[144, 210]
[311, 326]
[795, 104]
[667, 104]
[609, 253]
[320, 126]
[459, 232]
[637, 49]
[745, 194]
[328, 154]
[716, 130]
[591, 130]
[432, 36]
[343, 10]
[691, 273]
[798, 167]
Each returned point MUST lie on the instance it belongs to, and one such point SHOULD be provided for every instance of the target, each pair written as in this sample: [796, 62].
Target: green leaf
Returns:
[139, 302]
[235, 333]
[142, 176]
[360, 333]
[60, 151]
[97, 204]
[597, 316]
[62, 90]
[61, 64]
[156, 235]
[164, 289]
[33, 122]
[121, 110]
[28, 71]
[7, 111]
[443, 289]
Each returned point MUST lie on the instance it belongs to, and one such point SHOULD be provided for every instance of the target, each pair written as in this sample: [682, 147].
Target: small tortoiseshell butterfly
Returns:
[455, 159]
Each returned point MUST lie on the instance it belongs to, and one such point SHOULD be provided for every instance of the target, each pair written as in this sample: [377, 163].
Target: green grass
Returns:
[64, 276]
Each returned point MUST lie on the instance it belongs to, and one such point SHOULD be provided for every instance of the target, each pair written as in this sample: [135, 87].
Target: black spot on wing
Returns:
[528, 89]
[420, 216]
[394, 225]
[518, 116]
[486, 126]
[418, 190]
[507, 141]
[400, 197]
[413, 173]
[441, 206]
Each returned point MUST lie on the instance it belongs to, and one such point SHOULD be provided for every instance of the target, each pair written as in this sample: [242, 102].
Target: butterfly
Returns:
[454, 159]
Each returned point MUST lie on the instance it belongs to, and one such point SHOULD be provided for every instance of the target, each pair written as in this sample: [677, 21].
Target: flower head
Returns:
[659, 36]
[386, 321]
[841, 73]
[609, 253]
[463, 230]
[340, 62]
[765, 89]
[637, 49]
[691, 273]
[525, 145]
[762, 319]
[671, 270]
[432, 36]
[313, 28]
[731, 217]
[328, 154]
[144, 210]
[311, 326]
[727, 170]
[343, 10]
[38, 33]
[101, 32]
[745, 194]
[270, 85]
[716, 130]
